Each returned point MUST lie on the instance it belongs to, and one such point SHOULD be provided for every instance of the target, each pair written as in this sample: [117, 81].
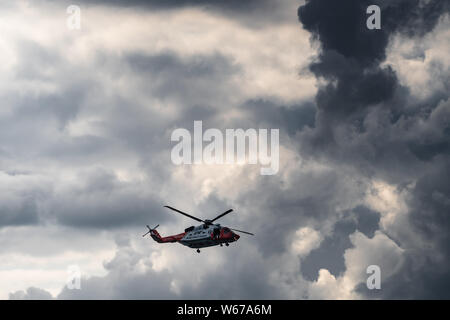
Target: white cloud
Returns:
[422, 65]
[305, 240]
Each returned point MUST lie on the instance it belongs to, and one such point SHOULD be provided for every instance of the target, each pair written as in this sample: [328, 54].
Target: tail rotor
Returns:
[150, 229]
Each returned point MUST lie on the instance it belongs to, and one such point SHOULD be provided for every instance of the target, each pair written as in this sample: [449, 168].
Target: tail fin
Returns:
[155, 235]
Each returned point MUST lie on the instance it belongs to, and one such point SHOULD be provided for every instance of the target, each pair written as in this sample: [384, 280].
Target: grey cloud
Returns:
[31, 293]
[195, 80]
[102, 201]
[20, 200]
[253, 13]
[19, 213]
[264, 113]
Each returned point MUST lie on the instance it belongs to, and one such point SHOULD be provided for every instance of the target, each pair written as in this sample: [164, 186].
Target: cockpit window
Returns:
[226, 230]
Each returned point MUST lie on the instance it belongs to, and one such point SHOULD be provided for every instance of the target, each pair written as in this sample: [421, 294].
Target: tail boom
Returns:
[169, 239]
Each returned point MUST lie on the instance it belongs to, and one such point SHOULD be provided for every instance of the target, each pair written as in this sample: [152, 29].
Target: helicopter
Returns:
[207, 234]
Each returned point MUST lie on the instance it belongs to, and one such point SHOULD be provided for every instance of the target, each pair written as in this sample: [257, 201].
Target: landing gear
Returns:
[221, 245]
[227, 244]
[198, 250]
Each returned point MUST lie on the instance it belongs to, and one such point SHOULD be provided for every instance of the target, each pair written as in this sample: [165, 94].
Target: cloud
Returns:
[330, 253]
[252, 12]
[20, 195]
[101, 200]
[306, 239]
[32, 293]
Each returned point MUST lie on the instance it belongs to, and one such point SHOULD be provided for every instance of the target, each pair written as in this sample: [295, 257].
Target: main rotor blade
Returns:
[242, 231]
[221, 215]
[184, 214]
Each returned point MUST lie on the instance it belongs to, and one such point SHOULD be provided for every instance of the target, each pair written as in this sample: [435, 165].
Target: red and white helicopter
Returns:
[206, 235]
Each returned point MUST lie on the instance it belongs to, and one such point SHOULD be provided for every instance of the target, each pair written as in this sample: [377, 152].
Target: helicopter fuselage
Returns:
[207, 236]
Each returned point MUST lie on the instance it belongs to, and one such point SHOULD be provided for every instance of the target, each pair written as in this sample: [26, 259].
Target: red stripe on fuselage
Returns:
[175, 238]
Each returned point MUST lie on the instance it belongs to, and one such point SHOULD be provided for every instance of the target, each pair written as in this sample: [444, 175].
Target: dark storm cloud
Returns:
[340, 99]
[330, 254]
[341, 25]
[366, 120]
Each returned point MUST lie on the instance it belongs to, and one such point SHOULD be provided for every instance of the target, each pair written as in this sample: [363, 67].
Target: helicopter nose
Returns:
[236, 237]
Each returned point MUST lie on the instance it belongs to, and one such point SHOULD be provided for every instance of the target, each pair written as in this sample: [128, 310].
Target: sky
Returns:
[86, 120]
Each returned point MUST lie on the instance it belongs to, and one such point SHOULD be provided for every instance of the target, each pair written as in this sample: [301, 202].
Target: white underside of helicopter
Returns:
[199, 237]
